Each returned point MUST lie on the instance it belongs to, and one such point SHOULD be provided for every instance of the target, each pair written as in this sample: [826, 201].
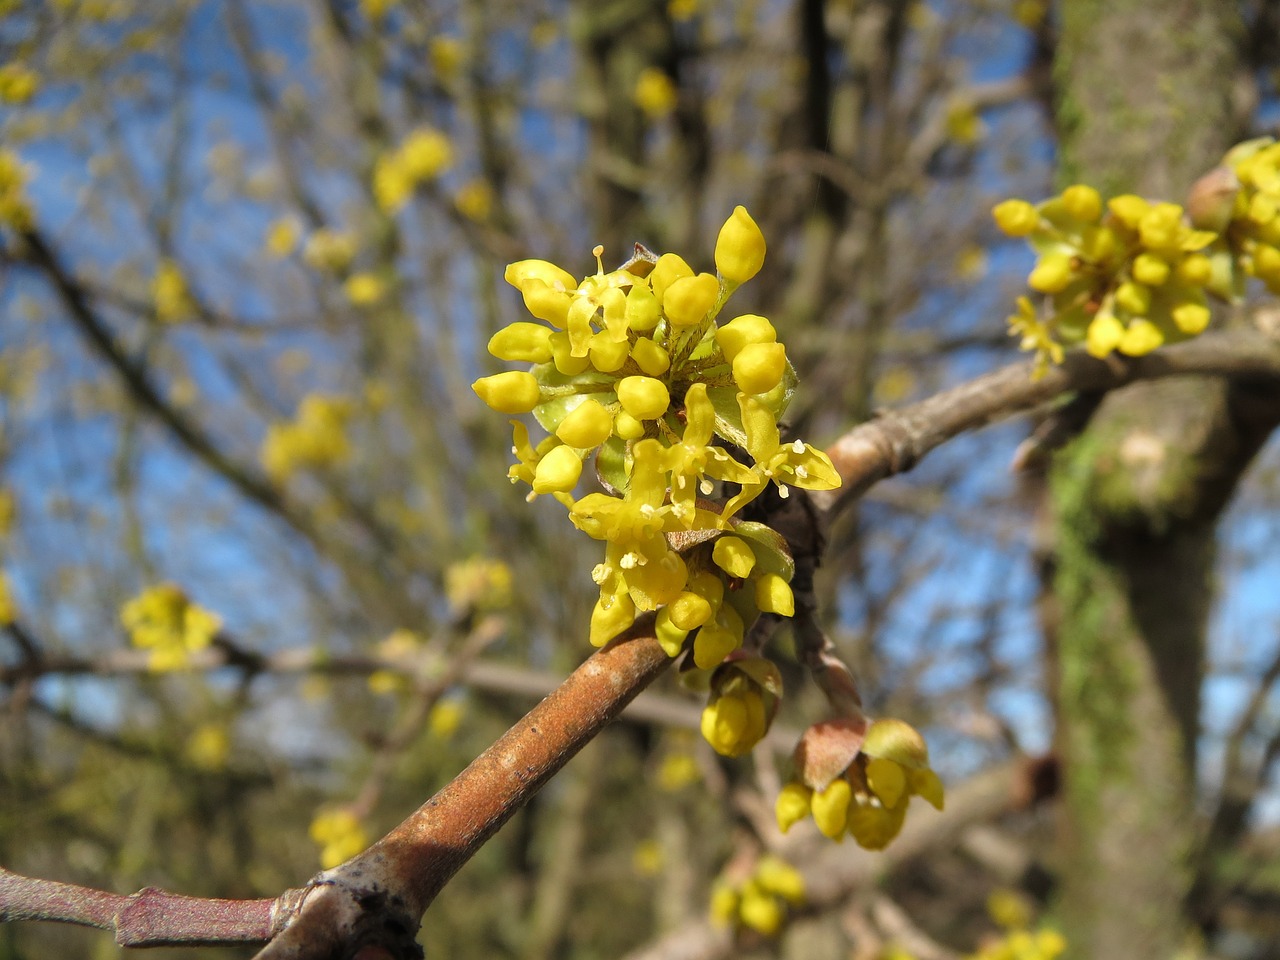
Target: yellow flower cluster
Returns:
[339, 835]
[632, 368]
[1127, 275]
[859, 786]
[1131, 274]
[364, 289]
[423, 156]
[317, 437]
[281, 238]
[1013, 914]
[744, 699]
[403, 648]
[760, 900]
[15, 211]
[478, 583]
[170, 294]
[163, 620]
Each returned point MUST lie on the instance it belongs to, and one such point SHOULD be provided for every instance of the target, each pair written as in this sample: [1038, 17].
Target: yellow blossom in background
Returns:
[426, 153]
[963, 124]
[208, 747]
[655, 92]
[164, 621]
[970, 264]
[18, 83]
[402, 647]
[475, 200]
[445, 718]
[170, 293]
[8, 511]
[1030, 13]
[282, 237]
[315, 438]
[1013, 913]
[339, 835]
[758, 900]
[14, 209]
[375, 10]
[330, 250]
[646, 858]
[364, 289]
[478, 583]
[544, 33]
[682, 10]
[678, 770]
[392, 185]
[446, 55]
[8, 605]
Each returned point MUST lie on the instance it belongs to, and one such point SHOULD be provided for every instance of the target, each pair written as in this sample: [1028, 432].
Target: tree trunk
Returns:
[1144, 94]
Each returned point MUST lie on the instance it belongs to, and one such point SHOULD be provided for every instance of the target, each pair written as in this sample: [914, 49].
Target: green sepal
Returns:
[770, 547]
[611, 466]
[549, 413]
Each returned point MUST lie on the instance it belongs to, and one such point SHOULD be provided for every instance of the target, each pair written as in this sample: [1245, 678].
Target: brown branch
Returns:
[149, 917]
[376, 900]
[895, 441]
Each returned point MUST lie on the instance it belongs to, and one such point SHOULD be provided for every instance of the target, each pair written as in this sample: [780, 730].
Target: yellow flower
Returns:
[479, 583]
[364, 289]
[1017, 218]
[315, 438]
[392, 183]
[208, 747]
[655, 93]
[446, 55]
[740, 247]
[426, 153]
[169, 292]
[162, 620]
[445, 718]
[282, 237]
[475, 200]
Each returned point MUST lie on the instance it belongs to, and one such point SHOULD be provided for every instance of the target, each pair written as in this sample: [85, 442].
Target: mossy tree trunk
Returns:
[1144, 105]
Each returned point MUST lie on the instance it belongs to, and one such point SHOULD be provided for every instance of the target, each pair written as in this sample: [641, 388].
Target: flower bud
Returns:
[643, 309]
[1083, 202]
[688, 299]
[1105, 334]
[512, 392]
[518, 273]
[558, 471]
[611, 615]
[734, 556]
[831, 808]
[1134, 297]
[669, 268]
[651, 358]
[1150, 269]
[545, 302]
[1191, 318]
[1052, 273]
[740, 247]
[587, 425]
[606, 354]
[793, 805]
[627, 427]
[643, 397]
[758, 367]
[743, 330]
[524, 342]
[1140, 338]
[773, 595]
[562, 353]
[1017, 218]
[689, 611]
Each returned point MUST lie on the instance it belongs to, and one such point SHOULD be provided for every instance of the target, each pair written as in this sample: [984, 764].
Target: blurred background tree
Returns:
[259, 259]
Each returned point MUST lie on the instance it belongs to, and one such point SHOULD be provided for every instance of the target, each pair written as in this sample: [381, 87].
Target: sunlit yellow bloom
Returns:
[743, 331]
[329, 250]
[643, 397]
[759, 367]
[8, 605]
[1017, 218]
[479, 583]
[446, 55]
[445, 718]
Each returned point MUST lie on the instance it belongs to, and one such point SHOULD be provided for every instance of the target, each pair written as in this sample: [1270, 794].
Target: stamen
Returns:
[706, 486]
[598, 251]
[783, 492]
[798, 446]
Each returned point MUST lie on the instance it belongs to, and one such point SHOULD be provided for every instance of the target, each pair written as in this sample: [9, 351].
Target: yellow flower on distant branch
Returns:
[655, 92]
[339, 834]
[170, 293]
[18, 83]
[165, 622]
